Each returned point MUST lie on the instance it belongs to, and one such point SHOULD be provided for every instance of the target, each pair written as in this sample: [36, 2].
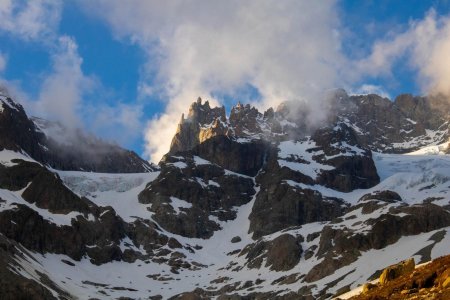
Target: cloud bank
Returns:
[426, 47]
[269, 51]
[285, 50]
[30, 20]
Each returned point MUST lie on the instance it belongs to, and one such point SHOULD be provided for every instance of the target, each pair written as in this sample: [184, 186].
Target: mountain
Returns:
[62, 148]
[253, 205]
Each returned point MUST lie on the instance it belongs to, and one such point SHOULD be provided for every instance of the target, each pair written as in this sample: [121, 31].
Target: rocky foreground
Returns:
[429, 281]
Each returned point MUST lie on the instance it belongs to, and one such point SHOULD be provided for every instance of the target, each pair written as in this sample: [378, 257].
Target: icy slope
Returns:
[119, 191]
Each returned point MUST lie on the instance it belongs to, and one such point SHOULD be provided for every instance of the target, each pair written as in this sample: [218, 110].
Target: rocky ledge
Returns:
[429, 281]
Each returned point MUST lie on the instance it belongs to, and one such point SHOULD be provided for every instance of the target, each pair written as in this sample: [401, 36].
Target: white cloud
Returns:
[426, 47]
[30, 20]
[62, 90]
[3, 62]
[432, 54]
[66, 91]
[38, 21]
[66, 94]
[286, 50]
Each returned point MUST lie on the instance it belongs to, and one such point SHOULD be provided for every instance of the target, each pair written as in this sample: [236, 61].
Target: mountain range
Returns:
[281, 204]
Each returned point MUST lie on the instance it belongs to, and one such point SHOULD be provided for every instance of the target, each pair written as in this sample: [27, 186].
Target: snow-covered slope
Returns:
[414, 177]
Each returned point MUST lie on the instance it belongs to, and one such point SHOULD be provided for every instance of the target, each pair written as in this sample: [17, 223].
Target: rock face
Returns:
[398, 126]
[201, 124]
[281, 254]
[281, 206]
[243, 158]
[41, 139]
[190, 190]
[374, 233]
[352, 162]
[13, 285]
[93, 231]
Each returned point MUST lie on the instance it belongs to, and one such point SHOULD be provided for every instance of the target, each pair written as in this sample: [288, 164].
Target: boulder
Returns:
[397, 270]
[236, 239]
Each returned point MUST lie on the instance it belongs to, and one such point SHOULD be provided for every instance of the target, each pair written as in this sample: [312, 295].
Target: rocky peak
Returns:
[203, 113]
[6, 102]
[381, 125]
[399, 126]
[283, 109]
[431, 111]
[17, 131]
[204, 122]
[243, 119]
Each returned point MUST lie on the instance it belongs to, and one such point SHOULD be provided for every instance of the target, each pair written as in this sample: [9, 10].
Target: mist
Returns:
[285, 50]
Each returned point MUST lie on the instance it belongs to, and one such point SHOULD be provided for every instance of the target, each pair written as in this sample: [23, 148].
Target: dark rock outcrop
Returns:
[380, 232]
[281, 203]
[353, 164]
[243, 158]
[385, 196]
[93, 231]
[80, 152]
[27, 227]
[397, 126]
[204, 189]
[280, 206]
[281, 254]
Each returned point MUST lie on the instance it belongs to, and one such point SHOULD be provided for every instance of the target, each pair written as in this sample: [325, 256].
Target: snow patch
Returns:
[200, 161]
[303, 152]
[177, 204]
[7, 156]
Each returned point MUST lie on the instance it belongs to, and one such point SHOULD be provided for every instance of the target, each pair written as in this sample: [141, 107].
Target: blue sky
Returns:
[125, 70]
